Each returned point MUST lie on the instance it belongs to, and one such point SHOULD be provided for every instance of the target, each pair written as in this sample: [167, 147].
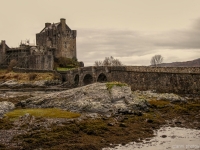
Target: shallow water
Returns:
[167, 138]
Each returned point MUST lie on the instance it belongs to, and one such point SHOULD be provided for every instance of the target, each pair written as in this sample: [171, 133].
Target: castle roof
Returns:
[54, 25]
[2, 46]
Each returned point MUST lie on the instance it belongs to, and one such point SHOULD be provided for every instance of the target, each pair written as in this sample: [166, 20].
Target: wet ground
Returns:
[166, 138]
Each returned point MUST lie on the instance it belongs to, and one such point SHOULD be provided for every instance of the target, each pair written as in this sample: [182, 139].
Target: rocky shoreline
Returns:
[108, 115]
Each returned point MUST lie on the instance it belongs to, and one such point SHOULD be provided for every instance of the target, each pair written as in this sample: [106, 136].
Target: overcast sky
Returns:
[131, 30]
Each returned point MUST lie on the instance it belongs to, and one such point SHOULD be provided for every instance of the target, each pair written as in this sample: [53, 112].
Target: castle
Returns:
[53, 41]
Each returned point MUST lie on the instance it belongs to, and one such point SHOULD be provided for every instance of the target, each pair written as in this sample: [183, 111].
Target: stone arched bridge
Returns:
[161, 79]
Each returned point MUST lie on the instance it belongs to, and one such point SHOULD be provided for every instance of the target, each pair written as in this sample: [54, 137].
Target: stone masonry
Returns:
[185, 80]
[58, 36]
[55, 40]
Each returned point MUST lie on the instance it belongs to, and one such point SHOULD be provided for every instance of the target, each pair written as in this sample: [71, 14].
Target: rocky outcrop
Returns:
[159, 96]
[93, 98]
[5, 107]
[97, 98]
[13, 84]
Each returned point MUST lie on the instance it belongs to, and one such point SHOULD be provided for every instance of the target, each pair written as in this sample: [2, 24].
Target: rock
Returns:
[40, 83]
[122, 125]
[173, 98]
[111, 124]
[138, 113]
[53, 82]
[10, 83]
[93, 98]
[149, 121]
[163, 136]
[5, 107]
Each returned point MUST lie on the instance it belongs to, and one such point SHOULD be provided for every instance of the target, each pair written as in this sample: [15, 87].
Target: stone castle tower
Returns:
[60, 37]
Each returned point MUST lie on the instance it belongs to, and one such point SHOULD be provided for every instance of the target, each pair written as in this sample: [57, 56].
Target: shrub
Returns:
[12, 64]
[32, 76]
[64, 62]
[109, 85]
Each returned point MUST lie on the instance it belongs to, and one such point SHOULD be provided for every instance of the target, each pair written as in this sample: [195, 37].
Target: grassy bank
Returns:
[25, 77]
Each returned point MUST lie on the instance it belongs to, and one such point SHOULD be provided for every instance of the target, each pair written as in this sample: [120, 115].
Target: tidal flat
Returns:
[97, 117]
[87, 132]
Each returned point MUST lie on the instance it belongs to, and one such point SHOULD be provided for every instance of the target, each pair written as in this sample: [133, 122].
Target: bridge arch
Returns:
[88, 79]
[102, 78]
[76, 80]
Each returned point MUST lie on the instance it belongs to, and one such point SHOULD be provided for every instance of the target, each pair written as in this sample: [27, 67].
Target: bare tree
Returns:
[109, 61]
[156, 60]
[98, 63]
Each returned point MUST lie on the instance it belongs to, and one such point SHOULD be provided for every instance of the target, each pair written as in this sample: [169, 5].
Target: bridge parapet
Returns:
[163, 79]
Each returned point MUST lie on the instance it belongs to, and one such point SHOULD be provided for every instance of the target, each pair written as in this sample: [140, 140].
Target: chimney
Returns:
[3, 44]
[47, 24]
[63, 24]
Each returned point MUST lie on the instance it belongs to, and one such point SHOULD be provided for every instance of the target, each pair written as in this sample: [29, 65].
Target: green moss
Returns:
[194, 107]
[47, 112]
[94, 127]
[154, 117]
[179, 109]
[5, 124]
[109, 85]
[158, 103]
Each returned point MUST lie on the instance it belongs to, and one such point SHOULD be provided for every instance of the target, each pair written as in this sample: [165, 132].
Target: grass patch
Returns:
[45, 112]
[158, 103]
[179, 109]
[25, 77]
[63, 69]
[109, 85]
[94, 127]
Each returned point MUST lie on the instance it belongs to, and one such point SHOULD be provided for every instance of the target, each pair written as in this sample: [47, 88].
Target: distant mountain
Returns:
[193, 63]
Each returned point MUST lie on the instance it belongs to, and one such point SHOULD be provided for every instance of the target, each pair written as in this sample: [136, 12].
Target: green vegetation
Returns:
[109, 85]
[63, 69]
[63, 62]
[24, 77]
[47, 112]
[159, 103]
[94, 127]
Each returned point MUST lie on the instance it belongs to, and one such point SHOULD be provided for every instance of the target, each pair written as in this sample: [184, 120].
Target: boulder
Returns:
[159, 96]
[5, 107]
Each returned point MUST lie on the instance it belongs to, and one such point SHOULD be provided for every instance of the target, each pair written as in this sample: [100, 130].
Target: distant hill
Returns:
[193, 63]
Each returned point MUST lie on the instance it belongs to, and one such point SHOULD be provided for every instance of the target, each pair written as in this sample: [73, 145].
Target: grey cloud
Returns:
[97, 44]
[189, 39]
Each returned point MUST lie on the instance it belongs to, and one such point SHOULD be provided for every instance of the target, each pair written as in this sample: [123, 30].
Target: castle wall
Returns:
[41, 62]
[58, 36]
[3, 48]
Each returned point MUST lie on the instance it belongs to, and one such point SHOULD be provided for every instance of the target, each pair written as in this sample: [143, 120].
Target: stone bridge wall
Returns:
[161, 79]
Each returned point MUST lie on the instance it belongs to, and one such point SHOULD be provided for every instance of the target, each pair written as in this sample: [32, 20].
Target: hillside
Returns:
[193, 63]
